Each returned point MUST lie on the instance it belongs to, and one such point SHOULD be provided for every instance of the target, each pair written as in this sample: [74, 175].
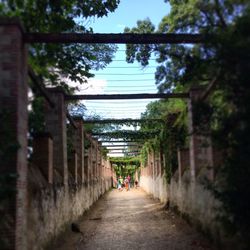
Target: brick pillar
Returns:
[72, 165]
[55, 122]
[183, 160]
[89, 166]
[194, 138]
[99, 159]
[43, 154]
[79, 146]
[201, 151]
[13, 133]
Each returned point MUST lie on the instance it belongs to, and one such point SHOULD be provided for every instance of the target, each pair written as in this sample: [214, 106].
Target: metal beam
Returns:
[121, 38]
[104, 121]
[124, 153]
[126, 96]
[120, 146]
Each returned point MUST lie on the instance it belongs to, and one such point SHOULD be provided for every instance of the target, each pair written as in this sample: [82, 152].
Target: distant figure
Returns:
[129, 179]
[120, 182]
[126, 184]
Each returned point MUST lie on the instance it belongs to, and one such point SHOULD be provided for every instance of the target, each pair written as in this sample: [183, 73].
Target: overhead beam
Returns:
[104, 121]
[124, 153]
[126, 96]
[127, 133]
[125, 141]
[121, 146]
[122, 38]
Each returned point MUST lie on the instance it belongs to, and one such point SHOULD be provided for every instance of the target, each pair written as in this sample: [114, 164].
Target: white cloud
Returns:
[92, 87]
[121, 26]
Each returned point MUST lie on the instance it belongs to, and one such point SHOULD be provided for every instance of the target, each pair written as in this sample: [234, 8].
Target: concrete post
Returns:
[73, 167]
[79, 146]
[201, 151]
[194, 138]
[55, 123]
[43, 155]
[13, 132]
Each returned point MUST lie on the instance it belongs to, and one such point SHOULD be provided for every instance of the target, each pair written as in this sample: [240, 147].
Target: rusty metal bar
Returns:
[104, 121]
[117, 141]
[122, 38]
[121, 145]
[126, 96]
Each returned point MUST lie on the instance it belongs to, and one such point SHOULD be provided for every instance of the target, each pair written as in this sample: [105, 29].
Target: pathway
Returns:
[131, 220]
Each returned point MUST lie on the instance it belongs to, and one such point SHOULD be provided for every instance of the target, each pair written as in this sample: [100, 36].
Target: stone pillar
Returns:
[13, 133]
[194, 138]
[79, 146]
[201, 151]
[73, 167]
[55, 123]
[90, 172]
[183, 160]
[43, 154]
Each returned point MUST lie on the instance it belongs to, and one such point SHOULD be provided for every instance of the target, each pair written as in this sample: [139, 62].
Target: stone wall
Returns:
[51, 208]
[13, 134]
[186, 196]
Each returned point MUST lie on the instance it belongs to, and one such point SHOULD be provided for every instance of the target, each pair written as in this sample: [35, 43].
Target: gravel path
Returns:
[131, 220]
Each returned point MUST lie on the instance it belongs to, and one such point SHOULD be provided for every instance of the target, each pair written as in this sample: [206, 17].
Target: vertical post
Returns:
[201, 151]
[72, 165]
[43, 154]
[55, 122]
[194, 139]
[79, 147]
[13, 132]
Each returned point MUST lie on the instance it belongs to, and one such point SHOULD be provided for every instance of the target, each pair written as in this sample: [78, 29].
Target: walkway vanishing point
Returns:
[131, 220]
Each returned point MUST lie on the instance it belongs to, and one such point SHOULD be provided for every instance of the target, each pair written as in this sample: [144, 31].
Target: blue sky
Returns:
[119, 76]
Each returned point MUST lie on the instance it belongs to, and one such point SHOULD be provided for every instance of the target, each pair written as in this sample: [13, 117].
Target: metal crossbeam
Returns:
[104, 121]
[125, 38]
[126, 96]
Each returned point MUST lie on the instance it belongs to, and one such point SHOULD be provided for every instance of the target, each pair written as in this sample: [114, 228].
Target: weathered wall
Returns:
[192, 200]
[53, 207]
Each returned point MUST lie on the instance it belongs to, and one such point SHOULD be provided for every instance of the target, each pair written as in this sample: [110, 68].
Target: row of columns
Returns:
[84, 165]
[50, 148]
[200, 152]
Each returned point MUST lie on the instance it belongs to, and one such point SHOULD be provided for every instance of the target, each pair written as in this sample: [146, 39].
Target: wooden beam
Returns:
[126, 96]
[124, 152]
[125, 141]
[104, 121]
[127, 133]
[121, 145]
[122, 38]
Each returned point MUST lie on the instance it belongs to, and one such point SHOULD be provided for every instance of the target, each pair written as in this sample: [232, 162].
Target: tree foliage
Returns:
[56, 62]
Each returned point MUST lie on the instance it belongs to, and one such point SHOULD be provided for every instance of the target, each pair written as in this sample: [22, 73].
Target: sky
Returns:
[120, 77]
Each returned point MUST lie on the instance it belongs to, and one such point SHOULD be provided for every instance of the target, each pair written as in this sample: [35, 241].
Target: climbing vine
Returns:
[171, 136]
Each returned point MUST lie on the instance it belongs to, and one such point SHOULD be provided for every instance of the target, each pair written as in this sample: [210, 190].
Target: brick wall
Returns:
[13, 111]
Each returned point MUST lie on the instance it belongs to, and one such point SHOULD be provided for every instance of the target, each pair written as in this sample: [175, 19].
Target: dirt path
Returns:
[131, 220]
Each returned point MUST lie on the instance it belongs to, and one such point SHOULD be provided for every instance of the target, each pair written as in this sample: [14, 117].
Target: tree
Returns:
[225, 58]
[55, 61]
